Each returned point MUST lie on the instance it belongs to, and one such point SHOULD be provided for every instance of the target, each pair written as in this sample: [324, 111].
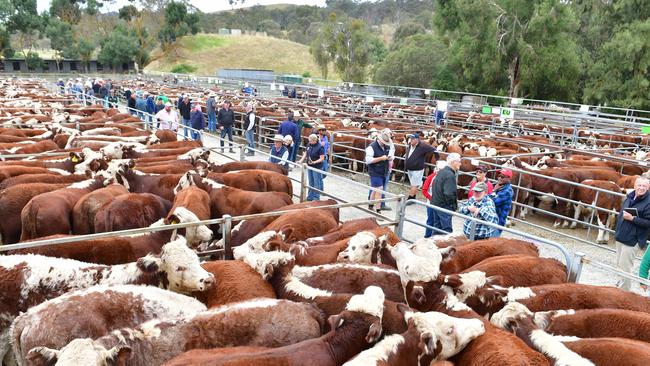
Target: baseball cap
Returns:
[168, 104]
[506, 172]
[480, 187]
[414, 136]
[482, 168]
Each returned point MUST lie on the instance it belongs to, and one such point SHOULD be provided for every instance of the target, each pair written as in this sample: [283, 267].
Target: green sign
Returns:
[507, 113]
[645, 130]
[486, 109]
[403, 101]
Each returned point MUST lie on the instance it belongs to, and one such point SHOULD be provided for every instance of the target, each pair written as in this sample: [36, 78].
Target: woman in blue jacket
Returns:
[502, 197]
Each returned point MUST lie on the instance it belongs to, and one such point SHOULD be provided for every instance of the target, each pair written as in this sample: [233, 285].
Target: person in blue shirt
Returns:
[483, 209]
[151, 107]
[325, 141]
[289, 127]
[279, 153]
[502, 196]
[315, 155]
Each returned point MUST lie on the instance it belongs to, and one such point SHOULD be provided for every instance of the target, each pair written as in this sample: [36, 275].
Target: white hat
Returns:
[287, 138]
[277, 138]
[168, 104]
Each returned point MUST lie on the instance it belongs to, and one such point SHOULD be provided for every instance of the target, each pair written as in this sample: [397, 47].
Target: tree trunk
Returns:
[514, 75]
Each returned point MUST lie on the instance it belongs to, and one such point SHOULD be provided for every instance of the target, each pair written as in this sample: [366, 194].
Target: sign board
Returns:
[496, 110]
[516, 101]
[427, 91]
[442, 105]
[507, 113]
[321, 93]
[403, 101]
[272, 86]
[369, 99]
[584, 108]
[645, 130]
[486, 109]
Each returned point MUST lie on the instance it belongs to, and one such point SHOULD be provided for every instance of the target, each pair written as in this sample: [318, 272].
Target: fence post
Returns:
[576, 267]
[304, 182]
[400, 214]
[242, 153]
[227, 226]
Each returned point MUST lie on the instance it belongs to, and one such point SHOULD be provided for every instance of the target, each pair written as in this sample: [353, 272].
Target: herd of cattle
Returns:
[304, 288]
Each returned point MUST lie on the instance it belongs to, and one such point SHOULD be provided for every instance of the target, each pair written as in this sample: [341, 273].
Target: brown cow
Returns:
[522, 270]
[256, 180]
[601, 200]
[247, 165]
[51, 212]
[100, 304]
[130, 211]
[42, 178]
[84, 211]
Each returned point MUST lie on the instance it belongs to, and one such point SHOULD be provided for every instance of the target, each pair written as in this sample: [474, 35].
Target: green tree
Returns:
[33, 60]
[128, 13]
[85, 48]
[61, 39]
[406, 30]
[621, 74]
[21, 17]
[271, 27]
[178, 22]
[68, 11]
[418, 61]
[5, 44]
[119, 47]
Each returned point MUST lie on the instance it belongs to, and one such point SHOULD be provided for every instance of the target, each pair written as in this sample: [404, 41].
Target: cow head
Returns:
[90, 160]
[362, 310]
[442, 336]
[180, 265]
[413, 267]
[256, 243]
[195, 235]
[361, 248]
[186, 180]
[195, 155]
[266, 263]
[80, 352]
[507, 317]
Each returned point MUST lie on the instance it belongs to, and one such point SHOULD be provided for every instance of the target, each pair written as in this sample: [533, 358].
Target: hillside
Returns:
[210, 52]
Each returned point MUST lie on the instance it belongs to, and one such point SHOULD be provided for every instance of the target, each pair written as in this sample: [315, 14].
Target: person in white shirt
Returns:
[249, 125]
[167, 118]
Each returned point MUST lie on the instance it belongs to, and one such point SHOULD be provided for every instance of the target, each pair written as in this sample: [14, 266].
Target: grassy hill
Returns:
[206, 53]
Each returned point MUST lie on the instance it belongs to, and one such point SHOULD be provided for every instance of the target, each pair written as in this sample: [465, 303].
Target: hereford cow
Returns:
[353, 330]
[130, 211]
[602, 200]
[344, 231]
[32, 279]
[51, 212]
[41, 325]
[247, 165]
[84, 211]
[194, 204]
[259, 322]
[596, 323]
[235, 281]
[42, 178]
[256, 180]
[522, 270]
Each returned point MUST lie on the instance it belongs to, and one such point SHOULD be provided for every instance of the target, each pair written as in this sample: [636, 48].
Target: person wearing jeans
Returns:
[197, 121]
[211, 109]
[315, 155]
[632, 228]
[249, 125]
[225, 121]
[444, 195]
[185, 109]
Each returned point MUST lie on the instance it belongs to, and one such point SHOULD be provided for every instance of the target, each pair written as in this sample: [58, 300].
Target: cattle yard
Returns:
[146, 207]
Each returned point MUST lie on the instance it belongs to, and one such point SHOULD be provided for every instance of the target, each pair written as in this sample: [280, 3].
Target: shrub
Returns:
[183, 69]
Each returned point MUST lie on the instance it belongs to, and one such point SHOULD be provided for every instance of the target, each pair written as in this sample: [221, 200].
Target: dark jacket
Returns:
[197, 120]
[444, 189]
[636, 231]
[502, 199]
[151, 105]
[289, 128]
[225, 118]
[211, 106]
[416, 160]
[185, 109]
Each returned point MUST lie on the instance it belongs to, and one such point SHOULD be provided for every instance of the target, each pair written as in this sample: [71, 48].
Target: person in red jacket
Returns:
[481, 171]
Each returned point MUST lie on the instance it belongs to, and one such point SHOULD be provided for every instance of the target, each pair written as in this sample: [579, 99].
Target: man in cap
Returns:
[279, 153]
[167, 118]
[502, 196]
[481, 177]
[378, 158]
[443, 194]
[325, 141]
[416, 152]
[481, 208]
[211, 108]
[140, 104]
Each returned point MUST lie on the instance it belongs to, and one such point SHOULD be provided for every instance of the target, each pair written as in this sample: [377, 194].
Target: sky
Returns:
[205, 6]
